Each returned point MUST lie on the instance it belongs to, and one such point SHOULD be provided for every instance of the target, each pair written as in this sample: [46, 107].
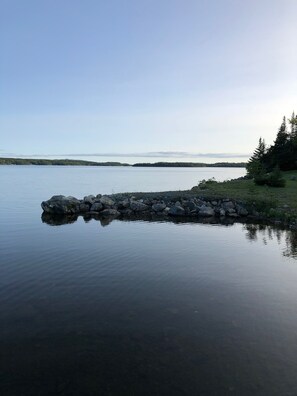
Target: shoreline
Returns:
[174, 205]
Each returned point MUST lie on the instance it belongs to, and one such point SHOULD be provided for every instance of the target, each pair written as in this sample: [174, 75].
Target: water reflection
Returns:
[104, 221]
[266, 233]
[254, 232]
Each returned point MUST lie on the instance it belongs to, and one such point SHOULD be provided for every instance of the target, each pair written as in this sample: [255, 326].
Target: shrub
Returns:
[273, 179]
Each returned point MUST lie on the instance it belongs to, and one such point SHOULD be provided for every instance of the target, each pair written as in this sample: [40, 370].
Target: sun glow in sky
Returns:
[184, 79]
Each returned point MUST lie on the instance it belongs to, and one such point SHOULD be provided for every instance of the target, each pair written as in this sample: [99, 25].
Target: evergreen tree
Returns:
[281, 155]
[293, 122]
[255, 165]
[277, 153]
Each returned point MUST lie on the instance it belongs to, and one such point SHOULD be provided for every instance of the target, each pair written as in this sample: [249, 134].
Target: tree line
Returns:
[267, 162]
[192, 165]
[30, 161]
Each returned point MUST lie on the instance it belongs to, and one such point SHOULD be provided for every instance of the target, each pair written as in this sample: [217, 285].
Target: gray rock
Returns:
[242, 211]
[176, 211]
[205, 211]
[234, 215]
[83, 207]
[107, 202]
[124, 204]
[228, 205]
[222, 213]
[230, 211]
[110, 213]
[89, 199]
[137, 206]
[126, 212]
[166, 211]
[96, 207]
[59, 204]
[158, 207]
[190, 205]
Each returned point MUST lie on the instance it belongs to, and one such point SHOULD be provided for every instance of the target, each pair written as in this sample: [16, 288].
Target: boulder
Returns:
[59, 204]
[124, 204]
[206, 211]
[228, 205]
[230, 211]
[222, 213]
[89, 199]
[137, 206]
[242, 211]
[190, 205]
[83, 207]
[233, 214]
[158, 207]
[107, 202]
[96, 207]
[176, 211]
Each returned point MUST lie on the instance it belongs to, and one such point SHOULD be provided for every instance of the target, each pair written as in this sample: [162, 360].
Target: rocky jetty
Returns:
[146, 204]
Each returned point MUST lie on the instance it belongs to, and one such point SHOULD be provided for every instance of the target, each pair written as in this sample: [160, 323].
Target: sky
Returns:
[148, 80]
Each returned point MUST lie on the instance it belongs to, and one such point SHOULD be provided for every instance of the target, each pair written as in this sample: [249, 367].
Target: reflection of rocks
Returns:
[105, 220]
[110, 213]
[56, 220]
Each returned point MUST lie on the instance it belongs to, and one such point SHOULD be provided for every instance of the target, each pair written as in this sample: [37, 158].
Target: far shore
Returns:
[70, 162]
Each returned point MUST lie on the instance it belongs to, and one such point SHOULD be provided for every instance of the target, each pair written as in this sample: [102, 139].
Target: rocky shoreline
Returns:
[171, 205]
[167, 204]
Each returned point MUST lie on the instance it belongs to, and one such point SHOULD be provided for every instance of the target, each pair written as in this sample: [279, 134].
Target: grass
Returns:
[274, 202]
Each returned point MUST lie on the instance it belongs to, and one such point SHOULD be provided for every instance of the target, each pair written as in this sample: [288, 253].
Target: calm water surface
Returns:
[140, 308]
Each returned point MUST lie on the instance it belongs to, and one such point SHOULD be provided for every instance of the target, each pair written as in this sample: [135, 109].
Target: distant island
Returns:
[30, 161]
[193, 165]
[69, 162]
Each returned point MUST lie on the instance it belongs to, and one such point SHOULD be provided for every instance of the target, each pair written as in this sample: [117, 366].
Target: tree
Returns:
[293, 122]
[277, 154]
[255, 165]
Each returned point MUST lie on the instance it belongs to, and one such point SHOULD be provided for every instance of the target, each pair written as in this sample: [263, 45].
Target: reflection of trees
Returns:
[267, 233]
[291, 244]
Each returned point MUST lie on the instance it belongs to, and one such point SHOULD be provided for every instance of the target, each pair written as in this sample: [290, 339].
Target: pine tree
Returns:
[255, 165]
[277, 153]
[293, 122]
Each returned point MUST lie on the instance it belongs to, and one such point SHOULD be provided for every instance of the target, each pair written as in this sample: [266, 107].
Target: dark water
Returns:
[141, 308]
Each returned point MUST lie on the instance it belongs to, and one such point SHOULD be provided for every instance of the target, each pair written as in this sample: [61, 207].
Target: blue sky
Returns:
[145, 80]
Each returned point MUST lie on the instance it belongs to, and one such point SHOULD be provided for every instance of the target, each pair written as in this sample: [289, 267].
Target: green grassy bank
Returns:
[271, 202]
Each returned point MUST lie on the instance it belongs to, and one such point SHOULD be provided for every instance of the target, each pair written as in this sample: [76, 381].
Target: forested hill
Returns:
[194, 164]
[30, 161]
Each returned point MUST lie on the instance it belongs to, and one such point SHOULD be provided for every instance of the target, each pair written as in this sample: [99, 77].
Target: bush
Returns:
[273, 179]
[261, 179]
[204, 184]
